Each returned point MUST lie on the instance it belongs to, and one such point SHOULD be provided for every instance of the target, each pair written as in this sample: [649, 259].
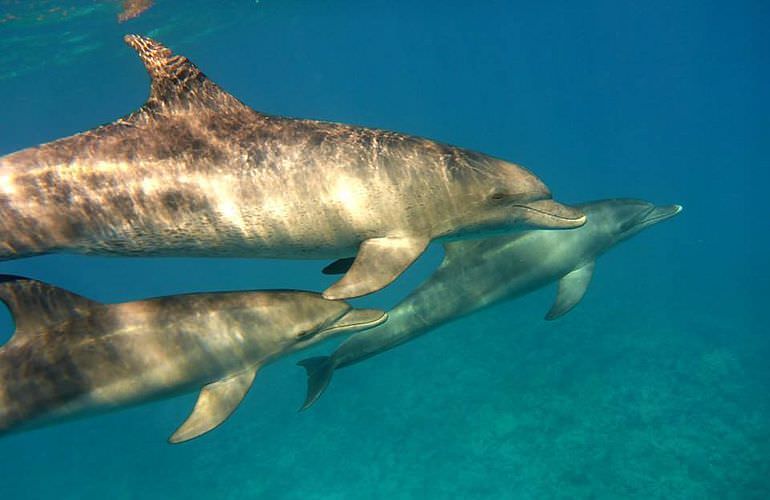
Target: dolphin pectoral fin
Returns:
[319, 373]
[216, 402]
[378, 262]
[572, 287]
[339, 266]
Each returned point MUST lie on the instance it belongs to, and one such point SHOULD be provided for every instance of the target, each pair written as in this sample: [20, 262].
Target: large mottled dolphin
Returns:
[477, 274]
[71, 356]
[194, 172]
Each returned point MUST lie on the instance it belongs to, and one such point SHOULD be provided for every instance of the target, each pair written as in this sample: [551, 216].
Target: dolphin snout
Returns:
[550, 214]
[356, 320]
[661, 213]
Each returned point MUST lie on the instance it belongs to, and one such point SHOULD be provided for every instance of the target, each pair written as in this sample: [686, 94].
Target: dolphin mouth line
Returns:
[656, 214]
[366, 321]
[549, 214]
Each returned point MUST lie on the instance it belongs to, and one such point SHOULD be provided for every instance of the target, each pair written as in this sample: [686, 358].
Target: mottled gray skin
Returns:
[194, 172]
[477, 274]
[71, 356]
[134, 8]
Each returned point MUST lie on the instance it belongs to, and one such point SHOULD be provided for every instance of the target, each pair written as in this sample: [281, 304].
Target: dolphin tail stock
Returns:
[319, 373]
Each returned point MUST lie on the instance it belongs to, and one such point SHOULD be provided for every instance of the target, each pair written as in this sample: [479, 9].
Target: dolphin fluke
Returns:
[319, 373]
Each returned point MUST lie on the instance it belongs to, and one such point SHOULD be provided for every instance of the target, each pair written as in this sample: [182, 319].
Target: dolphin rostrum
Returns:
[70, 356]
[479, 273]
[194, 172]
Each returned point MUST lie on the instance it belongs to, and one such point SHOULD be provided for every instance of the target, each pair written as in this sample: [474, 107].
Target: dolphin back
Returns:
[35, 305]
[32, 376]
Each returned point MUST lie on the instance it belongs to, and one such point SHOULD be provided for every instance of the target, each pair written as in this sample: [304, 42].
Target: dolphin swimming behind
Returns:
[479, 273]
[195, 172]
[134, 8]
[70, 356]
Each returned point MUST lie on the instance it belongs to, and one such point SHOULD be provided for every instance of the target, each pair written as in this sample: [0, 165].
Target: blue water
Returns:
[656, 386]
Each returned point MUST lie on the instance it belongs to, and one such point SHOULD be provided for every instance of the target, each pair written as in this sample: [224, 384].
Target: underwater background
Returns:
[656, 386]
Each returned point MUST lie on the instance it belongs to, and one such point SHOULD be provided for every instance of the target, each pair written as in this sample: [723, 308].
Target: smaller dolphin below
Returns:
[71, 356]
[479, 273]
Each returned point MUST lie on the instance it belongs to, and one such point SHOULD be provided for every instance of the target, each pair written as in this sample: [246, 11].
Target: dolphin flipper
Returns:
[319, 373]
[572, 287]
[215, 403]
[379, 261]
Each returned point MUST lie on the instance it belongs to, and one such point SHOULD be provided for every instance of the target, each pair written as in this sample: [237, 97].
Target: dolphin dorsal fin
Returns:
[35, 304]
[461, 249]
[174, 79]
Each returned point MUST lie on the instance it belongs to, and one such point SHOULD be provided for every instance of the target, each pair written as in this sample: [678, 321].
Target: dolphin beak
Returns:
[659, 214]
[356, 320]
[549, 214]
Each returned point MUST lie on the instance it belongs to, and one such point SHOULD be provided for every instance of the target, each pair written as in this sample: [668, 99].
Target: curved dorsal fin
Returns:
[173, 77]
[35, 304]
[461, 249]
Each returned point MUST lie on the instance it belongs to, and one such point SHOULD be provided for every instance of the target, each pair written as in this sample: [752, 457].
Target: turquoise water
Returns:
[655, 386]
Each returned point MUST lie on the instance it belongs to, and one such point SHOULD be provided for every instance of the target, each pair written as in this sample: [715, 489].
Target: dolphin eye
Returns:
[498, 196]
[304, 333]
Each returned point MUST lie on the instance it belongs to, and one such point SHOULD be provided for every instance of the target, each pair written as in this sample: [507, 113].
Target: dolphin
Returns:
[70, 356]
[476, 274]
[194, 172]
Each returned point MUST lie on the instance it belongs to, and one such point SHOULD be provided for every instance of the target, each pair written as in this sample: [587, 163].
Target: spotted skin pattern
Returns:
[71, 356]
[194, 172]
